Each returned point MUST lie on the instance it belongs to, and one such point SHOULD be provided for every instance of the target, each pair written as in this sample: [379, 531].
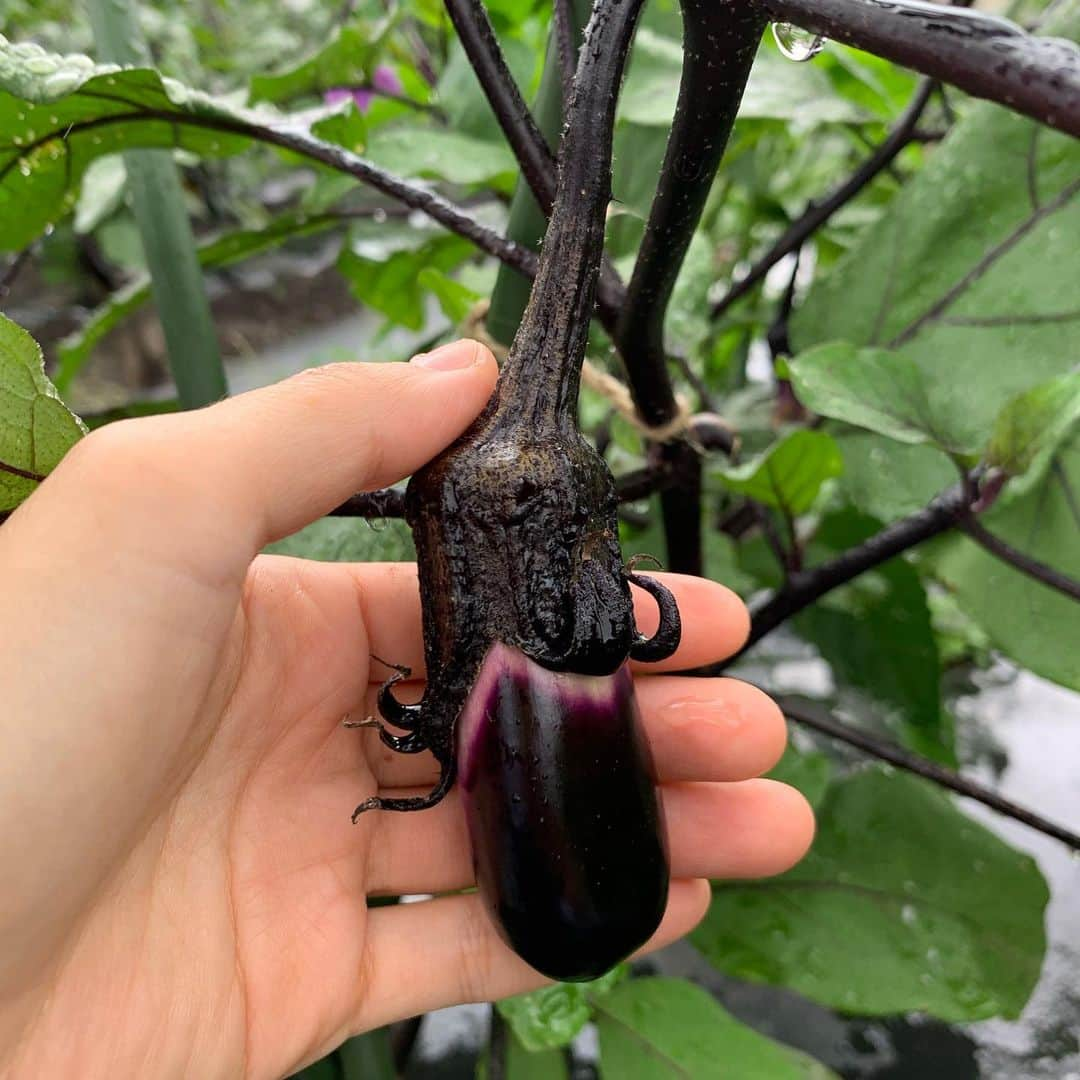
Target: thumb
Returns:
[294, 451]
[264, 464]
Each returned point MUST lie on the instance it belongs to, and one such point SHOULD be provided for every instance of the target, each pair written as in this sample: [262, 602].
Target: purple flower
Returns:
[383, 80]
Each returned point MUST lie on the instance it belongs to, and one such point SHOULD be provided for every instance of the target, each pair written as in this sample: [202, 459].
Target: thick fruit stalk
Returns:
[517, 546]
[558, 787]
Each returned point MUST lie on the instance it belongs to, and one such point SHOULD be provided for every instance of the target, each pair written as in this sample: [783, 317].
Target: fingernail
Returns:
[452, 357]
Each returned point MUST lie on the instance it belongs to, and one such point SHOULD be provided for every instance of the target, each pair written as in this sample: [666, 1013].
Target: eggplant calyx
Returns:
[669, 633]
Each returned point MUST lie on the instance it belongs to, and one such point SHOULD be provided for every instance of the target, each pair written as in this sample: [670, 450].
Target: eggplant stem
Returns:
[669, 633]
[406, 717]
[419, 802]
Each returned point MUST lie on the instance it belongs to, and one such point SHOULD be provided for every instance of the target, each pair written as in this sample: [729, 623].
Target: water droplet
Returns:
[797, 44]
[908, 915]
[379, 216]
[24, 168]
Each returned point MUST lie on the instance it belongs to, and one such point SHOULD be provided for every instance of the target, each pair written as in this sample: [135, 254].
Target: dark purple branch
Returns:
[720, 41]
[482, 48]
[806, 586]
[301, 142]
[817, 213]
[986, 56]
[563, 17]
[1050, 577]
[884, 750]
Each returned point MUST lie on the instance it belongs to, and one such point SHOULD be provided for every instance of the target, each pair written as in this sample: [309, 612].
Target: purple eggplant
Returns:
[566, 829]
[527, 610]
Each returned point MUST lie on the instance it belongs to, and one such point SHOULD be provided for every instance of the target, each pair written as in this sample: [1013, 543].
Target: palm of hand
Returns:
[185, 894]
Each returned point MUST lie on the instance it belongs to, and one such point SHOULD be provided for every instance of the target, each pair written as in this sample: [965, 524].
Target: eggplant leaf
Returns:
[903, 904]
[670, 1029]
[36, 428]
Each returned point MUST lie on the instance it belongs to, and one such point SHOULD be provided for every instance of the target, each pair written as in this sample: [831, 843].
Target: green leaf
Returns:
[790, 473]
[916, 473]
[553, 1016]
[656, 1029]
[416, 150]
[36, 428]
[74, 350]
[1035, 625]
[347, 59]
[455, 299]
[809, 771]
[393, 285]
[876, 389]
[903, 904]
[969, 275]
[61, 113]
[877, 635]
[522, 1064]
[102, 193]
[349, 540]
[1031, 427]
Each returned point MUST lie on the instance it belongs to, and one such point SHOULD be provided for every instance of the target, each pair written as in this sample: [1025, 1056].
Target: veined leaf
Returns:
[903, 904]
[1031, 622]
[790, 473]
[969, 277]
[670, 1029]
[36, 428]
[61, 113]
[876, 389]
[393, 284]
[1030, 428]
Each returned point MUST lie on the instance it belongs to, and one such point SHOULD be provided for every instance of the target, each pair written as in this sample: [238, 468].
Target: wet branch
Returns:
[818, 213]
[1021, 561]
[482, 48]
[985, 56]
[563, 19]
[301, 142]
[720, 42]
[806, 586]
[884, 750]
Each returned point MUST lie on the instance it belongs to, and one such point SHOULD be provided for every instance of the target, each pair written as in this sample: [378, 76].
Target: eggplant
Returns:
[521, 575]
[560, 799]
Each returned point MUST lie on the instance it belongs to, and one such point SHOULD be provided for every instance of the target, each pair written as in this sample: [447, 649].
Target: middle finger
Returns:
[698, 729]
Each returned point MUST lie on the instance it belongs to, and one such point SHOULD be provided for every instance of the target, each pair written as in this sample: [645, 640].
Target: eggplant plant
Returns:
[912, 302]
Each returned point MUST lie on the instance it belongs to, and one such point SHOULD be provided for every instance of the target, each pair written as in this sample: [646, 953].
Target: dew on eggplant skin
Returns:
[795, 43]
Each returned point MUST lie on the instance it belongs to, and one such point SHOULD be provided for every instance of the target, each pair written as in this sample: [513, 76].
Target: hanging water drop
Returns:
[797, 44]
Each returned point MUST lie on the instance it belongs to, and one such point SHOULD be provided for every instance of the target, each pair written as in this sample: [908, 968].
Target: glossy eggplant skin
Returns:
[566, 828]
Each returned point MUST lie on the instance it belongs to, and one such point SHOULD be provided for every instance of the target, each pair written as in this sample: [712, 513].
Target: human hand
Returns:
[184, 893]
